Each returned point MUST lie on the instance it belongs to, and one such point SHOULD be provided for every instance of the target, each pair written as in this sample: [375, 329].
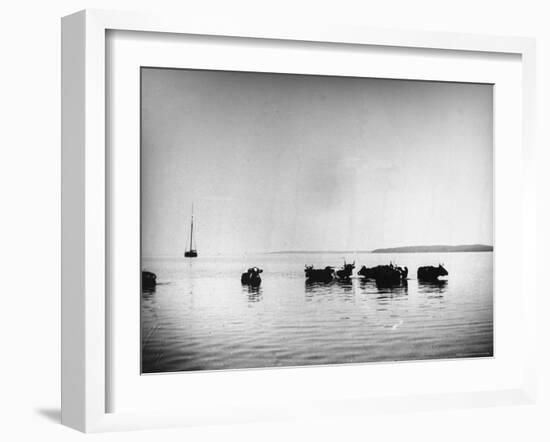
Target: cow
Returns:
[148, 280]
[319, 275]
[252, 277]
[385, 274]
[345, 272]
[431, 273]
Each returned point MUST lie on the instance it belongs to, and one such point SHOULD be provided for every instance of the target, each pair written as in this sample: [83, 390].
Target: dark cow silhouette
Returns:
[403, 270]
[319, 275]
[385, 274]
[431, 273]
[252, 277]
[148, 280]
[345, 272]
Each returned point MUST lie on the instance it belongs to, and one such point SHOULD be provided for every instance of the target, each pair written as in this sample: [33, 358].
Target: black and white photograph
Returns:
[299, 220]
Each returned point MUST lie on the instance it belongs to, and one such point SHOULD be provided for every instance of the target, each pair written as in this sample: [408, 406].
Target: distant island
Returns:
[437, 249]
[406, 249]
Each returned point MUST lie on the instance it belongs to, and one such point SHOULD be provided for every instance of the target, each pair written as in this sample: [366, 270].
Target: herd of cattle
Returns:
[382, 274]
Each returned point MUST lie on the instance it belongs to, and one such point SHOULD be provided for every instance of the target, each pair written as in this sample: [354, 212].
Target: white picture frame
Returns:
[86, 203]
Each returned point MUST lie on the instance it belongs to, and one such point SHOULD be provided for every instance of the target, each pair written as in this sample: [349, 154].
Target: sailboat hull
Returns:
[191, 254]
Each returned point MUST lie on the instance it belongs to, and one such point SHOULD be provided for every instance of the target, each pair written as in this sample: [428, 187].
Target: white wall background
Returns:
[30, 216]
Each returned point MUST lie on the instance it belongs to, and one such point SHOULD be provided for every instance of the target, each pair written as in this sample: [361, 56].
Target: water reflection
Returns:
[392, 291]
[433, 287]
[384, 290]
[254, 293]
[346, 290]
[147, 293]
[341, 289]
[345, 284]
[318, 287]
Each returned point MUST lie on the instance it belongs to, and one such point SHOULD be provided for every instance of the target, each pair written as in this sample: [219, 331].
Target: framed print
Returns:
[292, 222]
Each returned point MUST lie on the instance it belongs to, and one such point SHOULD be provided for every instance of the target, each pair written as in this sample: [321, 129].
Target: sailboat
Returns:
[192, 252]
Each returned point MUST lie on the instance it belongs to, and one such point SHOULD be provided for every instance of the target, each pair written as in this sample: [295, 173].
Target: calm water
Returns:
[201, 318]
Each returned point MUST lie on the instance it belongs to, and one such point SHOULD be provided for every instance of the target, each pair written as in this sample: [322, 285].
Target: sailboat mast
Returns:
[191, 237]
[192, 252]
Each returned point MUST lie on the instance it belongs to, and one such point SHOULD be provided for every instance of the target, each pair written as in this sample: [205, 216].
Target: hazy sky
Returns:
[289, 162]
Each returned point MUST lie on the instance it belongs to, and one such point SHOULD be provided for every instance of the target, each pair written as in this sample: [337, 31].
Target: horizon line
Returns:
[280, 252]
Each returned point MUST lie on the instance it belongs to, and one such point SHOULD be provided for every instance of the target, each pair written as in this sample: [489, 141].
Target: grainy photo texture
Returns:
[294, 220]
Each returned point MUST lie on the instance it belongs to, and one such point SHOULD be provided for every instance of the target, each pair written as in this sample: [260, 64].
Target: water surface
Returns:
[200, 317]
